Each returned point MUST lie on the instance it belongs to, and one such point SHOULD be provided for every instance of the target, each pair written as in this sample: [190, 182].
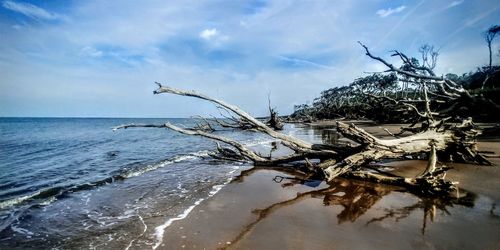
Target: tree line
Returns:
[378, 96]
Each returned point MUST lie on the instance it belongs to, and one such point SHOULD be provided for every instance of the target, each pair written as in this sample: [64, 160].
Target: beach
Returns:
[271, 209]
[249, 125]
[133, 190]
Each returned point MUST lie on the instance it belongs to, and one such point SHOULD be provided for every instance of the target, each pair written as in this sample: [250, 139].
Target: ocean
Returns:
[75, 183]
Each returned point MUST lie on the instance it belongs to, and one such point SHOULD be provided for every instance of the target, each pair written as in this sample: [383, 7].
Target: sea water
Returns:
[76, 183]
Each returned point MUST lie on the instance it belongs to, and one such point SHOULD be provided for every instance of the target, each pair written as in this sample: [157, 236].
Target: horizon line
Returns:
[110, 117]
[95, 117]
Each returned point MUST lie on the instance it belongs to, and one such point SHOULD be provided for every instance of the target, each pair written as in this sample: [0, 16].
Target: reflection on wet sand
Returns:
[329, 136]
[429, 206]
[356, 198]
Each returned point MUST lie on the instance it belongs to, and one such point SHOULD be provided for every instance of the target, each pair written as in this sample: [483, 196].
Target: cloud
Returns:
[214, 37]
[30, 10]
[454, 3]
[222, 50]
[475, 19]
[390, 11]
[208, 34]
[297, 62]
[90, 52]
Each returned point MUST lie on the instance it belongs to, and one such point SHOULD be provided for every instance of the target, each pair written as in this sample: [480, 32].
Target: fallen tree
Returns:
[438, 138]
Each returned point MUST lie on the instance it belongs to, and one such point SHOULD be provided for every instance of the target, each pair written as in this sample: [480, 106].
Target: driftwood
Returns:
[274, 120]
[435, 137]
[347, 162]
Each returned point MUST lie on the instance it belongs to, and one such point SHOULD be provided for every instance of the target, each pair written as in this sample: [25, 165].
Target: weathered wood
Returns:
[240, 147]
[423, 142]
[260, 126]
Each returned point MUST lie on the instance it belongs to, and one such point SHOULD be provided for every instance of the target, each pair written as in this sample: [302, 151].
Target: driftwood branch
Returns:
[241, 148]
[260, 126]
[446, 87]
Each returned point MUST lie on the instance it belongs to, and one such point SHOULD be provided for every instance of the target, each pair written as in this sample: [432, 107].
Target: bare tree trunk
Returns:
[490, 61]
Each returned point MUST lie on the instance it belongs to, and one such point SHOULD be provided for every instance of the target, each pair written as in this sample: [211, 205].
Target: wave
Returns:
[175, 159]
[258, 142]
[47, 196]
[160, 230]
[17, 200]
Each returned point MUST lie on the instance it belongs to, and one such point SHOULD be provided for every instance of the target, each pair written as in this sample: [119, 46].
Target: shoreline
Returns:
[160, 230]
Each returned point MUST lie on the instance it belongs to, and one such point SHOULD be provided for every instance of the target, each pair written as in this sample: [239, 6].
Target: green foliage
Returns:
[476, 80]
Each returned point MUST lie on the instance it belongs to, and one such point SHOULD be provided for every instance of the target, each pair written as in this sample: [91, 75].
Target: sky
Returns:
[95, 58]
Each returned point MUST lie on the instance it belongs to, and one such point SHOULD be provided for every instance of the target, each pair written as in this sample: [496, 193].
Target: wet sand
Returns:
[270, 209]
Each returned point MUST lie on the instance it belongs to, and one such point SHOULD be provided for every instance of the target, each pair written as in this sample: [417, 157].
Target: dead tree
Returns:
[435, 137]
[450, 100]
[489, 35]
[274, 120]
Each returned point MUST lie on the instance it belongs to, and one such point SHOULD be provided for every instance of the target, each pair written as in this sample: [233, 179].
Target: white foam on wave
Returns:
[48, 201]
[140, 235]
[191, 156]
[181, 189]
[15, 201]
[175, 159]
[21, 230]
[259, 142]
[160, 230]
[202, 153]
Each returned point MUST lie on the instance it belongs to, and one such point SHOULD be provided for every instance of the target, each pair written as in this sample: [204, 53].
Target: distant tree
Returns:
[429, 56]
[453, 77]
[380, 96]
[489, 35]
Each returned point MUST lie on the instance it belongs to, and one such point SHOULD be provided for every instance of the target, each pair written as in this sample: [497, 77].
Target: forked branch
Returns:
[260, 126]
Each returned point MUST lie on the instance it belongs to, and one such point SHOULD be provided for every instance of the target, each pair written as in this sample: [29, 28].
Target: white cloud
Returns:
[453, 60]
[142, 42]
[299, 61]
[390, 11]
[90, 51]
[30, 10]
[208, 34]
[454, 3]
[213, 36]
[475, 19]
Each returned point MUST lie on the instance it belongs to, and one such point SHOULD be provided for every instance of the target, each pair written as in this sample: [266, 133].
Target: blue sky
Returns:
[100, 58]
